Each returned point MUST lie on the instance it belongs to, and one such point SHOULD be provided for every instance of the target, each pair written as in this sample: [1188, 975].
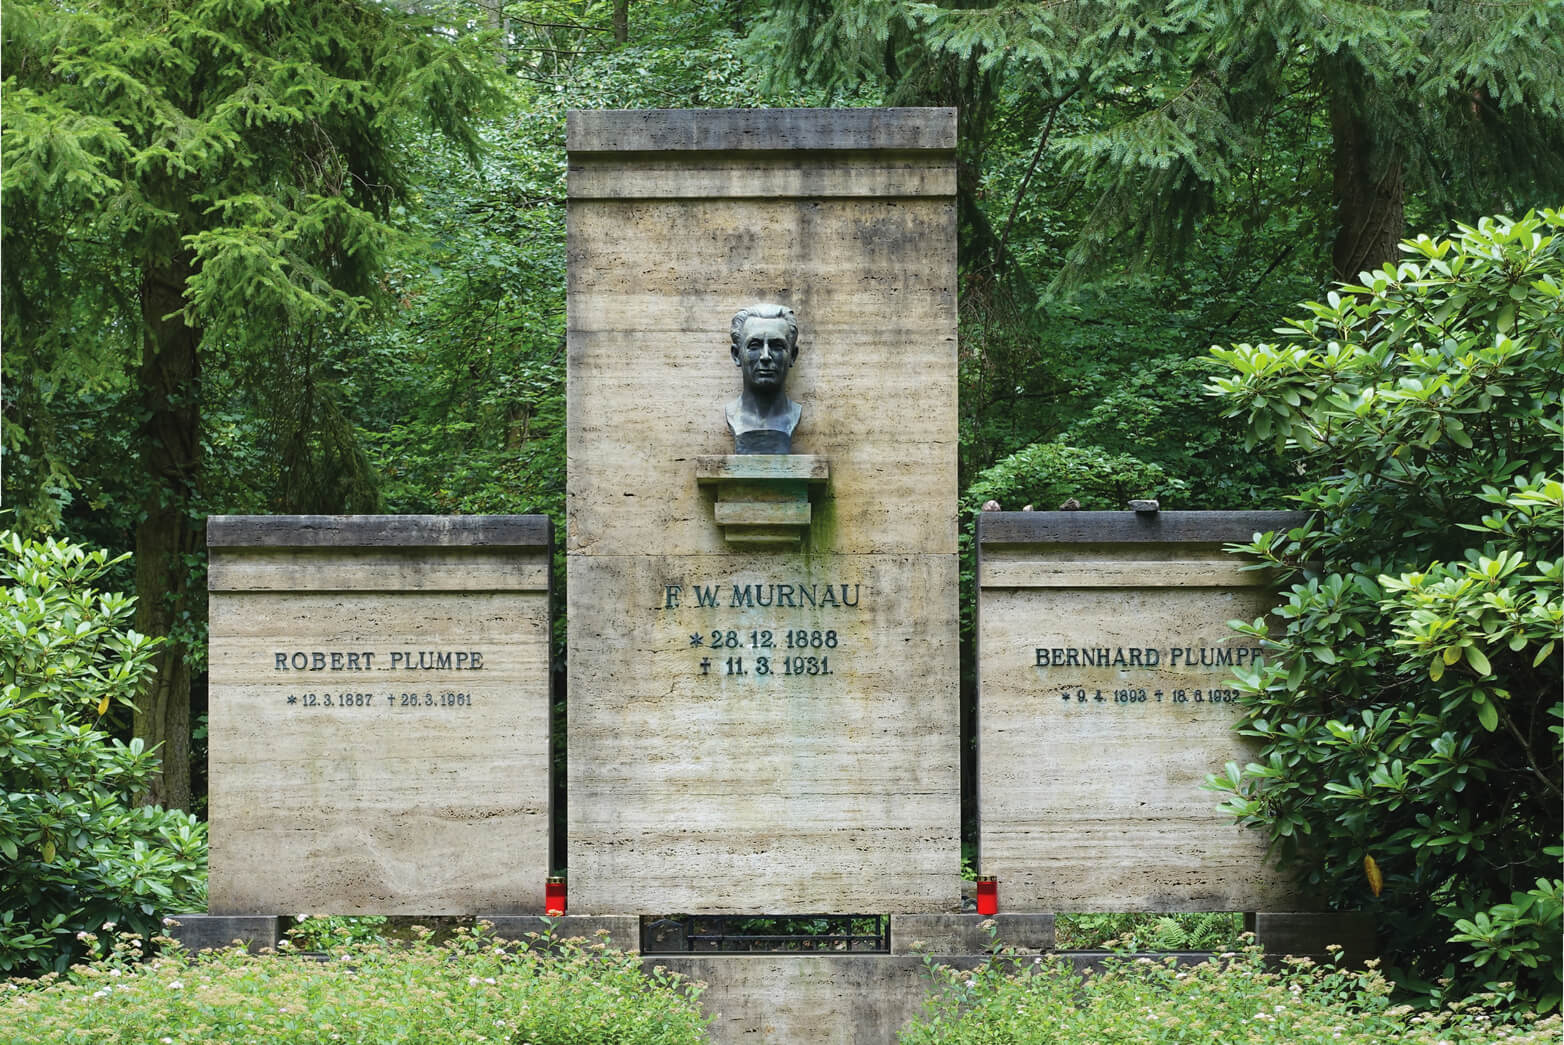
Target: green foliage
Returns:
[1047, 474]
[323, 932]
[202, 187]
[472, 988]
[77, 852]
[1465, 109]
[459, 396]
[253, 150]
[1409, 709]
[1219, 931]
[1238, 998]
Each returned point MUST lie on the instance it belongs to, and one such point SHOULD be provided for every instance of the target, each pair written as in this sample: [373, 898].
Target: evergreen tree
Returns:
[1416, 99]
[182, 182]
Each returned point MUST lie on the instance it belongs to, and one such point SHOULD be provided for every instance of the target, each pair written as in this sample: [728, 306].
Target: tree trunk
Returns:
[1369, 219]
[168, 531]
[621, 21]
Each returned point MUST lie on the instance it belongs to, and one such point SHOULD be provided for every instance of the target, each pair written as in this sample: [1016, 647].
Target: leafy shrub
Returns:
[1410, 705]
[469, 989]
[324, 932]
[1048, 474]
[77, 851]
[1017, 1000]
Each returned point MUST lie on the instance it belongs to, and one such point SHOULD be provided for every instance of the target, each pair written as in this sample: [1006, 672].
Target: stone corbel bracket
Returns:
[763, 499]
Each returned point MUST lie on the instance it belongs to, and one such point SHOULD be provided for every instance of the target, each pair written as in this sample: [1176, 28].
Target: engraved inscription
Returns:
[1148, 657]
[1078, 695]
[1198, 660]
[762, 596]
[403, 662]
[364, 660]
[764, 649]
[345, 701]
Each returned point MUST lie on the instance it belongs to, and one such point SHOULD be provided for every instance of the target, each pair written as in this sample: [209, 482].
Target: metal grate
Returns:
[767, 934]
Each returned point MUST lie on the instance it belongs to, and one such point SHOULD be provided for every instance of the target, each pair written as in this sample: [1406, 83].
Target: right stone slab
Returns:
[1105, 699]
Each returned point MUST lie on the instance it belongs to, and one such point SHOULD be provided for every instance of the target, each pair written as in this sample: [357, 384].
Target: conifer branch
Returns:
[1037, 154]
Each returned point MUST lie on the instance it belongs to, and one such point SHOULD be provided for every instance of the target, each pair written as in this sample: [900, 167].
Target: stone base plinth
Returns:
[624, 930]
[205, 932]
[762, 499]
[1311, 932]
[970, 933]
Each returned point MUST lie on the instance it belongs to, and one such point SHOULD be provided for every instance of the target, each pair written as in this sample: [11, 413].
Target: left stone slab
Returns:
[379, 714]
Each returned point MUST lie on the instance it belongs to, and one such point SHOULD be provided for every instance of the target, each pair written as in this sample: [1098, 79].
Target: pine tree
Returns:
[184, 181]
[1419, 99]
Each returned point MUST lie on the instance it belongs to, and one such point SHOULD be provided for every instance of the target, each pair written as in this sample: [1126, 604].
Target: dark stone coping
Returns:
[727, 130]
[204, 932]
[378, 531]
[1129, 527]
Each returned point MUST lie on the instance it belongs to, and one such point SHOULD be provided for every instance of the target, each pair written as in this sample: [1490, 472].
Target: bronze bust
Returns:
[765, 346]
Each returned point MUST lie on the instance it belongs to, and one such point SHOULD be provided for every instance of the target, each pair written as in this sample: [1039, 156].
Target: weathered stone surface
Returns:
[879, 337]
[712, 792]
[721, 131]
[377, 531]
[776, 793]
[722, 468]
[857, 999]
[379, 736]
[759, 176]
[970, 933]
[1104, 702]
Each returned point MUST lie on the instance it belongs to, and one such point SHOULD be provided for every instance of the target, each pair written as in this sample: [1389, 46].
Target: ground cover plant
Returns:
[472, 988]
[1236, 999]
[1210, 931]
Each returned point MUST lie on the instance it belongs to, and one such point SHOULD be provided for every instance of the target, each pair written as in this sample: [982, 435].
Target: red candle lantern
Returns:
[987, 894]
[554, 895]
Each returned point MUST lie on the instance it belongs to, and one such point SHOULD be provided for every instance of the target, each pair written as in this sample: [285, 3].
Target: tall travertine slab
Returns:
[1104, 700]
[827, 779]
[379, 714]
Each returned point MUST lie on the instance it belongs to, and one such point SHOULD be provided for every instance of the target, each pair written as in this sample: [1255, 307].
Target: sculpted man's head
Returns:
[764, 347]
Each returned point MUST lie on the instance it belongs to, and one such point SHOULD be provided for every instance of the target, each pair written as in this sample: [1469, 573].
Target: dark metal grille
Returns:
[766, 934]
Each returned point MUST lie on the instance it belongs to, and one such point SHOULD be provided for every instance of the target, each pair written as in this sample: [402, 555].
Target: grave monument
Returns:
[1105, 698]
[379, 714]
[763, 683]
[763, 662]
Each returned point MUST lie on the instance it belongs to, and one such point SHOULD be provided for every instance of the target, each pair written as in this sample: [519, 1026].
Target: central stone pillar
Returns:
[763, 680]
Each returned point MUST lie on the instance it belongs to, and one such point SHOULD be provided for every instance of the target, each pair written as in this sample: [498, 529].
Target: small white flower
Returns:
[175, 985]
[488, 979]
[472, 980]
[166, 1041]
[971, 983]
